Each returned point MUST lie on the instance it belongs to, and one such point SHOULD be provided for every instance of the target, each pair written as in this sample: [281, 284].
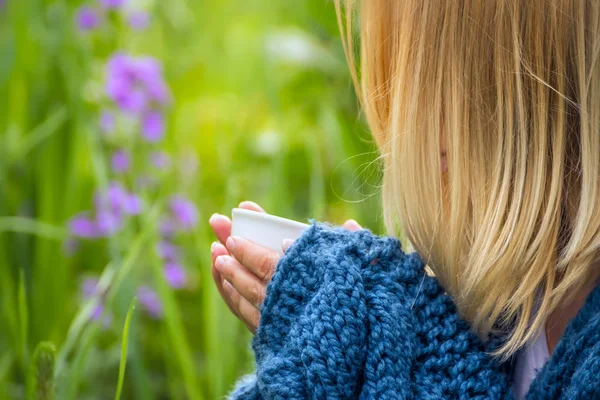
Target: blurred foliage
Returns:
[263, 110]
[40, 385]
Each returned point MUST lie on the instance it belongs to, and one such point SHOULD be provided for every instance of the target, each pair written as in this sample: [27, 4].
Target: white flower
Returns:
[268, 143]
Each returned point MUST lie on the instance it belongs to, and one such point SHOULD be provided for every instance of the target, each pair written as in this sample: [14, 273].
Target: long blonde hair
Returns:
[510, 89]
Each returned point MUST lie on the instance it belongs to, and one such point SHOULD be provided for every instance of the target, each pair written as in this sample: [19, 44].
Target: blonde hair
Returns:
[511, 90]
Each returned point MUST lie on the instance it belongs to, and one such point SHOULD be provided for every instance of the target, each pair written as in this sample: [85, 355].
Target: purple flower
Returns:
[148, 71]
[136, 83]
[168, 251]
[97, 313]
[121, 84]
[160, 160]
[107, 122]
[123, 92]
[153, 127]
[132, 205]
[112, 3]
[117, 200]
[108, 221]
[87, 19]
[134, 102]
[88, 287]
[120, 161]
[119, 65]
[150, 301]
[115, 195]
[112, 198]
[83, 226]
[174, 275]
[110, 206]
[139, 20]
[184, 212]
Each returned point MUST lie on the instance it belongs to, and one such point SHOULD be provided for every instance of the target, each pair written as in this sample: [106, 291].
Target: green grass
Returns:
[123, 362]
[263, 102]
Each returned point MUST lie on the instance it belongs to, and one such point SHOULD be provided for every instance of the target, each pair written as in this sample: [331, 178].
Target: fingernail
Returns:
[286, 244]
[251, 204]
[220, 263]
[230, 244]
[216, 216]
[212, 246]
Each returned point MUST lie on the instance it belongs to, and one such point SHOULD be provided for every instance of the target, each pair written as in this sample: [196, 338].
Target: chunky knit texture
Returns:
[349, 315]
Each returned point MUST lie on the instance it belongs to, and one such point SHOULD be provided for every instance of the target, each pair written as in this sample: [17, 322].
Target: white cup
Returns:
[266, 230]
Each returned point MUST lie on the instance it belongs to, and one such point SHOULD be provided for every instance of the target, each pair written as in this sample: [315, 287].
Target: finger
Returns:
[250, 205]
[352, 225]
[217, 250]
[248, 314]
[286, 244]
[245, 282]
[219, 283]
[258, 260]
[221, 225]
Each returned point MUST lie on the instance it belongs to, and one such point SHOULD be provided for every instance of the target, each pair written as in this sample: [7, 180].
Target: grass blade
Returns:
[123, 363]
[32, 227]
[71, 383]
[110, 280]
[23, 319]
[42, 132]
[176, 332]
[6, 363]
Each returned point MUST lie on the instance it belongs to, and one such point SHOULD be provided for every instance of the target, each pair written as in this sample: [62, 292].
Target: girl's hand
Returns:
[242, 269]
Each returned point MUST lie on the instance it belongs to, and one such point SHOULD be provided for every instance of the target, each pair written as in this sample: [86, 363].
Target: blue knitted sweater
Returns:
[351, 316]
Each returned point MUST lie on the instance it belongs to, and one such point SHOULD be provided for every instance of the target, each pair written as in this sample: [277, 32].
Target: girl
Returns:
[487, 118]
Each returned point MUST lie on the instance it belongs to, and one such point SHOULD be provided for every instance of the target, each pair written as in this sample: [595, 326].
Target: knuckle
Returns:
[234, 297]
[266, 267]
[235, 300]
[228, 273]
[255, 319]
[253, 294]
[256, 295]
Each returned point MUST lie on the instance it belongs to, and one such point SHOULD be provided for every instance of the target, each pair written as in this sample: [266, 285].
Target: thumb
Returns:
[352, 225]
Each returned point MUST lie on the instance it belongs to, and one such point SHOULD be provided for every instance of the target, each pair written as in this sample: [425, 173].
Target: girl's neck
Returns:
[560, 318]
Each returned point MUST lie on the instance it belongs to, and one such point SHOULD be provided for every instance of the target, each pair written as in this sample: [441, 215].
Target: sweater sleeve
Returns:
[349, 315]
[315, 329]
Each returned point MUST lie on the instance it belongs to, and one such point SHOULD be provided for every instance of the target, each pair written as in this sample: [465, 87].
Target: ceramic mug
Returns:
[266, 230]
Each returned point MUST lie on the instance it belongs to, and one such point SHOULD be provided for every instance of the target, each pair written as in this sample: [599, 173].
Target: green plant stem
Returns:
[32, 227]
[123, 362]
[175, 330]
[110, 281]
[23, 319]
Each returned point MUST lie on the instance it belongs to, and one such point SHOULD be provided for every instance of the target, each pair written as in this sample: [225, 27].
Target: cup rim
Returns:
[269, 217]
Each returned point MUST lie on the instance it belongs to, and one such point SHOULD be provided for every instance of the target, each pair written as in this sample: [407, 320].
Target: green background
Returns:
[264, 109]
